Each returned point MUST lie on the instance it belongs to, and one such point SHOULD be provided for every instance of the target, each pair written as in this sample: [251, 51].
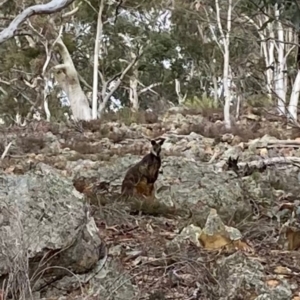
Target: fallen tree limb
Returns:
[6, 150]
[273, 144]
[271, 161]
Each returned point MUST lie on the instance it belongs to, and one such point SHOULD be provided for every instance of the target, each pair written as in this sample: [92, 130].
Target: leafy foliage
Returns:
[201, 103]
[177, 42]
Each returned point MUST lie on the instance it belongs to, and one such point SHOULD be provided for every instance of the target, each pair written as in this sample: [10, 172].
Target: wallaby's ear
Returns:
[161, 141]
[153, 142]
[237, 159]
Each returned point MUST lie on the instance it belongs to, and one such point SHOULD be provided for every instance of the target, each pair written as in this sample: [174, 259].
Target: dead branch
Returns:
[48, 50]
[33, 83]
[72, 12]
[3, 91]
[274, 144]
[83, 81]
[271, 161]
[215, 156]
[149, 88]
[8, 82]
[6, 150]
[39, 9]
[118, 81]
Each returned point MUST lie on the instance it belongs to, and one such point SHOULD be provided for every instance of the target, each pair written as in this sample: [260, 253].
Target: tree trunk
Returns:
[293, 105]
[267, 46]
[238, 106]
[280, 88]
[269, 63]
[133, 85]
[133, 93]
[227, 92]
[181, 98]
[215, 83]
[96, 62]
[270, 59]
[67, 77]
[106, 95]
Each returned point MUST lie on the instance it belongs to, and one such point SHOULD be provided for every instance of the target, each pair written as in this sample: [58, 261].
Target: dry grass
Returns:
[17, 284]
[32, 137]
[158, 271]
[128, 117]
[134, 205]
[151, 207]
[124, 116]
[175, 274]
[245, 132]
[31, 144]
[85, 148]
[155, 267]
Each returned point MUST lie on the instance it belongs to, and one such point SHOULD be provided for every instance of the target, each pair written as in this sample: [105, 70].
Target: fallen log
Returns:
[273, 144]
[272, 161]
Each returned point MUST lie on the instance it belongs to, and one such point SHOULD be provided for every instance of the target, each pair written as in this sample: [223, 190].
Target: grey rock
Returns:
[45, 223]
[104, 280]
[245, 277]
[191, 181]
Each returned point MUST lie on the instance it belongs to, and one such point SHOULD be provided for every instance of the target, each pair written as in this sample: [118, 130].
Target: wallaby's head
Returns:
[232, 164]
[156, 146]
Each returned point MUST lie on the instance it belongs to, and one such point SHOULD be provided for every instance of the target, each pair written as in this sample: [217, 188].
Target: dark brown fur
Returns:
[247, 170]
[140, 178]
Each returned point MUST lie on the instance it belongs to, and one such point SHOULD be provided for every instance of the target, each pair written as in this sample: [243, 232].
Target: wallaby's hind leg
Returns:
[127, 188]
[143, 188]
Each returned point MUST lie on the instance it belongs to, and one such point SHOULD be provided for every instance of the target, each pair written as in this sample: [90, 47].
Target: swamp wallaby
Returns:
[140, 178]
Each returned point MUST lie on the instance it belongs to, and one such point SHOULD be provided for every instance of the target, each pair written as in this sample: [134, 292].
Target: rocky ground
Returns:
[218, 229]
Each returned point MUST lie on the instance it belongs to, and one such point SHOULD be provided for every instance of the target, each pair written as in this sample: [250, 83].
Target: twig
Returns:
[72, 12]
[215, 156]
[6, 150]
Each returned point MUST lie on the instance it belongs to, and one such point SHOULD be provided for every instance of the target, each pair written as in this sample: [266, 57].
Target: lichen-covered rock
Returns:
[44, 221]
[192, 182]
[244, 278]
[189, 182]
[105, 280]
